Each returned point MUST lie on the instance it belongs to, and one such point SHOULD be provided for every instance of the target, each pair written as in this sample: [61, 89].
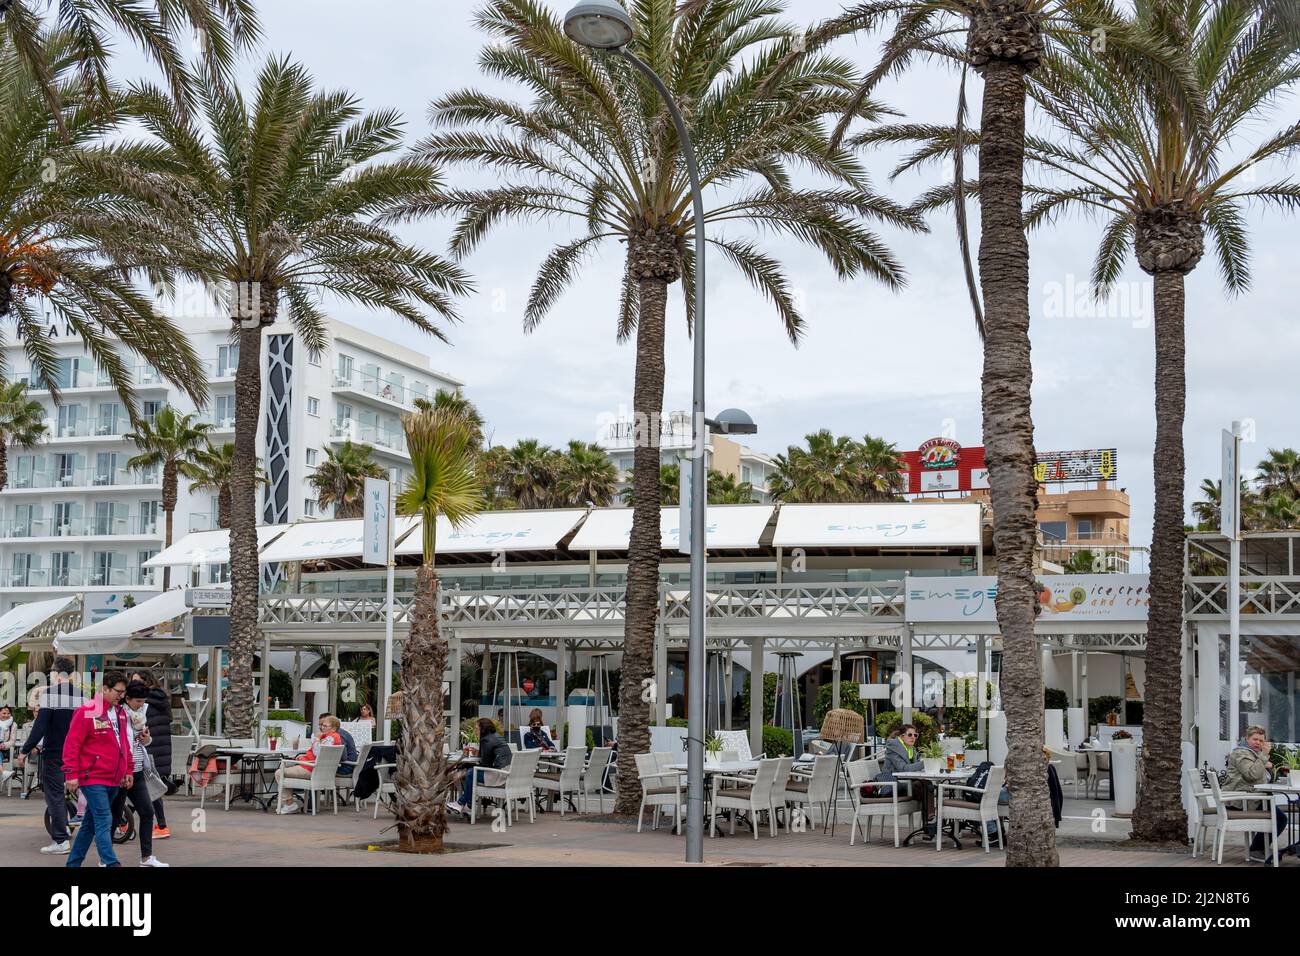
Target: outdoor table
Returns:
[1292, 818]
[252, 771]
[730, 768]
[929, 804]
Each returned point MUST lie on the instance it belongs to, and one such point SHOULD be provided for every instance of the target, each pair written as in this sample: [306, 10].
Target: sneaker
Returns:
[4, 776]
[119, 831]
[454, 807]
[58, 849]
[152, 861]
[161, 833]
[288, 808]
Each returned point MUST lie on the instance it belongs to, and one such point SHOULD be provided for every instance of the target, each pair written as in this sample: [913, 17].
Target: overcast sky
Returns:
[902, 366]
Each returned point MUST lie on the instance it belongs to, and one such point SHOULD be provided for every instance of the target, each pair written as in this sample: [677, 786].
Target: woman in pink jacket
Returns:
[97, 759]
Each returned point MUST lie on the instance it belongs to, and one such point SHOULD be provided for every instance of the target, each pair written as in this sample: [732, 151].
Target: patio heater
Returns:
[506, 677]
[788, 709]
[716, 677]
[604, 700]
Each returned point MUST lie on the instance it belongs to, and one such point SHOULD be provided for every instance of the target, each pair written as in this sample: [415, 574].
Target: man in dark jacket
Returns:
[158, 713]
[59, 702]
[492, 752]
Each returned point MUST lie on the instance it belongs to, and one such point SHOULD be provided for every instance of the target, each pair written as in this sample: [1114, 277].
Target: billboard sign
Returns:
[1063, 598]
[1092, 464]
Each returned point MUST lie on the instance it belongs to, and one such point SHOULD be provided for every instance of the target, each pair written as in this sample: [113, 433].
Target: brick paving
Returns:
[245, 836]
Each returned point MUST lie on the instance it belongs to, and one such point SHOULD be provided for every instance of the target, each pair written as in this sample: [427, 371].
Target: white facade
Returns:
[74, 520]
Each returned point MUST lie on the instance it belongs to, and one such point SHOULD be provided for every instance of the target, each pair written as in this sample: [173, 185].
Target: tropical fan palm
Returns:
[276, 201]
[445, 480]
[1280, 473]
[210, 469]
[594, 149]
[69, 242]
[171, 440]
[827, 470]
[340, 480]
[458, 403]
[585, 476]
[22, 424]
[528, 473]
[219, 29]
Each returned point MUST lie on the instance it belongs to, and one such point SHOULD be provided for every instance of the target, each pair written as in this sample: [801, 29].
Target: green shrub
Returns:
[1055, 699]
[591, 738]
[675, 722]
[1099, 707]
[963, 721]
[469, 728]
[286, 715]
[769, 696]
[777, 741]
[849, 700]
[281, 686]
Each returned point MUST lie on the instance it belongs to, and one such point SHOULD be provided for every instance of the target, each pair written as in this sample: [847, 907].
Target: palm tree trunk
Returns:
[169, 510]
[421, 767]
[223, 507]
[1159, 815]
[1009, 452]
[4, 465]
[643, 549]
[244, 570]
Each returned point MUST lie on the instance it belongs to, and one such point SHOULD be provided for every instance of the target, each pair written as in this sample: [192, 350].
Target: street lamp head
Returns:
[599, 25]
[732, 421]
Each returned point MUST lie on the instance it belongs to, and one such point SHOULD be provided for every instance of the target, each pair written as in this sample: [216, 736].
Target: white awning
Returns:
[727, 527]
[19, 621]
[498, 531]
[323, 540]
[208, 547]
[113, 634]
[885, 525]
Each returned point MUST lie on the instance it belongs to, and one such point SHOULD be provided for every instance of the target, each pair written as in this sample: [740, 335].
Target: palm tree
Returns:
[210, 469]
[171, 440]
[1208, 510]
[221, 27]
[585, 477]
[458, 403]
[724, 489]
[881, 465]
[444, 481]
[593, 149]
[70, 243]
[1280, 472]
[22, 423]
[363, 677]
[321, 228]
[826, 471]
[340, 480]
[529, 473]
[495, 462]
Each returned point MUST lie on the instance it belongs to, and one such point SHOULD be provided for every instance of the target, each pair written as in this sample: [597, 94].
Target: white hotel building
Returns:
[75, 520]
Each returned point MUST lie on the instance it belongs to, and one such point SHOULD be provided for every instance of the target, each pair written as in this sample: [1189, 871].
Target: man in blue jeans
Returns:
[58, 702]
[97, 760]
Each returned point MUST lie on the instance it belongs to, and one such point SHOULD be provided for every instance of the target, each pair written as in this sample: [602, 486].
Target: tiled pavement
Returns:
[245, 836]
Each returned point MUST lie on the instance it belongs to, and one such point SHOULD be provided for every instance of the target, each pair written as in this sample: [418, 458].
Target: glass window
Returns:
[227, 360]
[311, 457]
[1083, 527]
[313, 407]
[344, 376]
[223, 413]
[1053, 530]
[309, 507]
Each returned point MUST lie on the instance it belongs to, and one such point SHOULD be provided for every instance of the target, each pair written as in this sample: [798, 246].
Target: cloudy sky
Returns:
[904, 366]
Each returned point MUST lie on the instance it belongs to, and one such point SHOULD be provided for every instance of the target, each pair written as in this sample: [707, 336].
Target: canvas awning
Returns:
[495, 531]
[208, 547]
[727, 527]
[20, 621]
[113, 634]
[883, 525]
[324, 540]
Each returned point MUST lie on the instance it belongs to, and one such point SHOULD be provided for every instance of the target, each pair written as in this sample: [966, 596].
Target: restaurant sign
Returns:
[1062, 598]
[1093, 464]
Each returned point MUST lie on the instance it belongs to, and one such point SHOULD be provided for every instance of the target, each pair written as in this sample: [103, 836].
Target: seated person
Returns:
[302, 768]
[493, 752]
[1249, 765]
[901, 755]
[536, 738]
[349, 761]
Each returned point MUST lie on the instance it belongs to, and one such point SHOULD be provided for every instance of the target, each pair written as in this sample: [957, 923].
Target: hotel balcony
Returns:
[374, 387]
[388, 440]
[114, 577]
[116, 526]
[83, 381]
[88, 478]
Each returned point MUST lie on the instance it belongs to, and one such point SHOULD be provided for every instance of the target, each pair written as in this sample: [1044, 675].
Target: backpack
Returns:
[980, 776]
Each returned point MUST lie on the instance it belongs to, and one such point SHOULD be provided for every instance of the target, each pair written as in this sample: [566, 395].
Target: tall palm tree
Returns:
[881, 465]
[1004, 42]
[529, 473]
[273, 201]
[340, 480]
[585, 476]
[826, 471]
[210, 469]
[22, 423]
[71, 243]
[1280, 471]
[1162, 178]
[444, 481]
[171, 440]
[162, 29]
[593, 149]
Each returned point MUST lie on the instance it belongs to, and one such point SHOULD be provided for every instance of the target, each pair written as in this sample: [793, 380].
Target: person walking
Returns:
[138, 729]
[159, 711]
[55, 706]
[97, 761]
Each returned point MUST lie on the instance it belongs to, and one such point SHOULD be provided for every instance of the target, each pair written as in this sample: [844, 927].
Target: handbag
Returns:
[156, 785]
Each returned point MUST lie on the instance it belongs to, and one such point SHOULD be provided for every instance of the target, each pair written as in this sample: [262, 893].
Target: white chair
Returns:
[959, 807]
[737, 741]
[565, 780]
[815, 790]
[1243, 819]
[659, 789]
[593, 776]
[1206, 813]
[750, 794]
[322, 777]
[890, 798]
[1098, 763]
[1067, 768]
[516, 785]
[386, 785]
[182, 749]
[227, 771]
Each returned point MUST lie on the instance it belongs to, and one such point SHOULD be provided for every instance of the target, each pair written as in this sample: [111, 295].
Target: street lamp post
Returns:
[605, 25]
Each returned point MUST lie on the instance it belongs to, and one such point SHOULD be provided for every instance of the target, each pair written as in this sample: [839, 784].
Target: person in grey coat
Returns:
[901, 755]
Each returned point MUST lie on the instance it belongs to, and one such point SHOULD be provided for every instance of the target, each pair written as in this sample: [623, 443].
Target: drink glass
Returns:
[949, 761]
[961, 758]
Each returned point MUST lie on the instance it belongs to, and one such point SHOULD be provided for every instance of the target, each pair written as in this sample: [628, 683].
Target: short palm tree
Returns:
[585, 476]
[458, 403]
[1280, 472]
[340, 480]
[826, 471]
[22, 423]
[724, 489]
[70, 243]
[593, 150]
[171, 440]
[210, 470]
[162, 29]
[273, 201]
[881, 469]
[528, 477]
[445, 481]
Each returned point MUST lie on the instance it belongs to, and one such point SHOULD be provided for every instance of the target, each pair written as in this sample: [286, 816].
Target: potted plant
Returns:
[932, 756]
[273, 734]
[1288, 761]
[713, 749]
[1121, 735]
[976, 752]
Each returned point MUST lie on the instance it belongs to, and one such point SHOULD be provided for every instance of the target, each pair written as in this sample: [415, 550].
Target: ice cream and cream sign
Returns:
[1062, 598]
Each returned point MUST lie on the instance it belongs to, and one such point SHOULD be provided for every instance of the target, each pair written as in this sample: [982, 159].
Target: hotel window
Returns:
[309, 507]
[227, 360]
[224, 411]
[313, 407]
[1083, 527]
[344, 374]
[313, 358]
[1053, 530]
[311, 457]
